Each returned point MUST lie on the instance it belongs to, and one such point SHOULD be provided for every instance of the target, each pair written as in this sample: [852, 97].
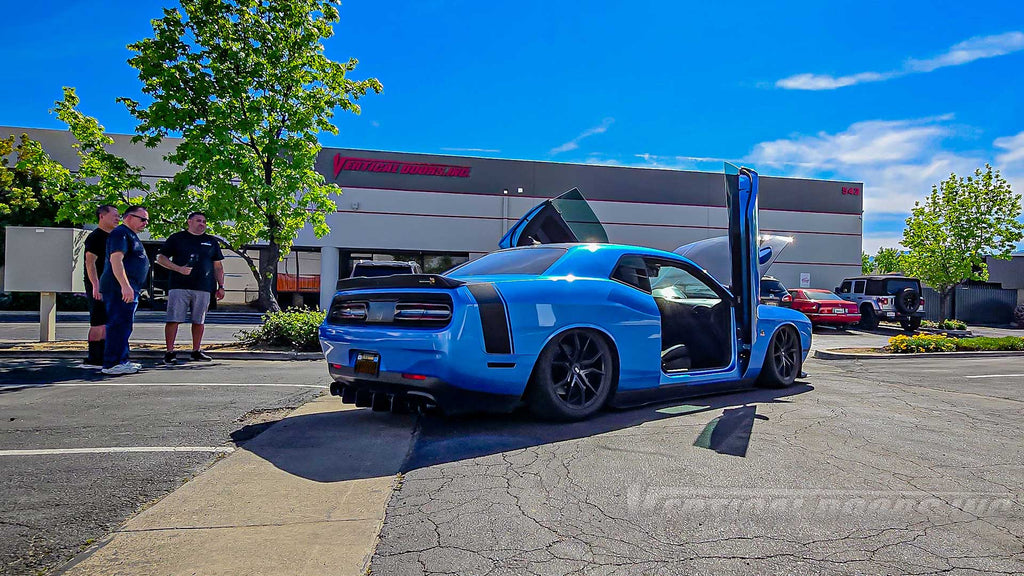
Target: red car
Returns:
[825, 308]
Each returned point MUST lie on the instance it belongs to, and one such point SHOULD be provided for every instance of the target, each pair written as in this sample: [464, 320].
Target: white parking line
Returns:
[123, 383]
[117, 449]
[996, 376]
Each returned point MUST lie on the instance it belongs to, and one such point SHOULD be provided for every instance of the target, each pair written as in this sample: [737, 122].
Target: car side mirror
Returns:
[837, 289]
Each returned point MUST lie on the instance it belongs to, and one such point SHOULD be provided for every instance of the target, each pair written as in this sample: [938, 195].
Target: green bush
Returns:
[947, 324]
[294, 328]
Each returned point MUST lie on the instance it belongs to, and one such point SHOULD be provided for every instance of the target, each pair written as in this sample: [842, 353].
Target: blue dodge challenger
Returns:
[565, 323]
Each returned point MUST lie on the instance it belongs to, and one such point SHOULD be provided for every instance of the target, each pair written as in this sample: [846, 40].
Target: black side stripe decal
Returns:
[493, 319]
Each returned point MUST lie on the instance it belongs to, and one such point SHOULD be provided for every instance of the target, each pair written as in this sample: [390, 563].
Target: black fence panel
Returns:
[931, 305]
[985, 305]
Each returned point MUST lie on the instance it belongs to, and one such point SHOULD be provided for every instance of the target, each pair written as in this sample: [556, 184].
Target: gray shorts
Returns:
[180, 302]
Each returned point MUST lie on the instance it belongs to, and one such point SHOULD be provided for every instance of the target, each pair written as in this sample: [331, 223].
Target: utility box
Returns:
[40, 259]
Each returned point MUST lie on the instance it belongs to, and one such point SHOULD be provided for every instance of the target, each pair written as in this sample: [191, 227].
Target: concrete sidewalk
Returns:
[307, 496]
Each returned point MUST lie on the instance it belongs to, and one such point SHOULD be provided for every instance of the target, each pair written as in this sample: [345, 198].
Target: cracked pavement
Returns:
[868, 467]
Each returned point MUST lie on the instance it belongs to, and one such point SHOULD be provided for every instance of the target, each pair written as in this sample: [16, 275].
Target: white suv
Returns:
[384, 268]
[891, 297]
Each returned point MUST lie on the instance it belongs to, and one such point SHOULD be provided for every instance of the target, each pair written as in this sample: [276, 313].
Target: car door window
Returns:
[845, 287]
[858, 287]
[696, 321]
[632, 270]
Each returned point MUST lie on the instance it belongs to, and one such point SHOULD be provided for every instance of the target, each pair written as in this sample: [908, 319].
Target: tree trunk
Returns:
[943, 298]
[270, 255]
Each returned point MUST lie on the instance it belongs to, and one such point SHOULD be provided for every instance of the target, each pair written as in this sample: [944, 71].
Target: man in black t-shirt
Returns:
[194, 260]
[95, 256]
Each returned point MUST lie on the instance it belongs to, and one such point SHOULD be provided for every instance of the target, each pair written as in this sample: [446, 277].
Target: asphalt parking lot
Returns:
[82, 481]
[902, 466]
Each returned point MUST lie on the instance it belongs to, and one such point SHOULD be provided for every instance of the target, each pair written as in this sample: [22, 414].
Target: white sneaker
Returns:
[122, 368]
[136, 365]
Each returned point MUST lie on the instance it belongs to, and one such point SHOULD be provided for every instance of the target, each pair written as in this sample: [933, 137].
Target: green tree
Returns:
[888, 260]
[102, 177]
[30, 182]
[247, 85]
[959, 223]
[866, 267]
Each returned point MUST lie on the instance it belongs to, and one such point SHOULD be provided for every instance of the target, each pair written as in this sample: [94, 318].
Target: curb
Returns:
[834, 355]
[159, 354]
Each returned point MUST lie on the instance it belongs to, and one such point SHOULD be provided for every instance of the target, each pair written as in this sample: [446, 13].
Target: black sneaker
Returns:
[200, 356]
[170, 358]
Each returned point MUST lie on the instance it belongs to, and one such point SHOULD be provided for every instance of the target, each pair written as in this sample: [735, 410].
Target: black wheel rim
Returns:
[786, 354]
[579, 369]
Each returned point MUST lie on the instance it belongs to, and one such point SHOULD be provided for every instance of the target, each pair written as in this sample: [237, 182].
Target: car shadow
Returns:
[354, 444]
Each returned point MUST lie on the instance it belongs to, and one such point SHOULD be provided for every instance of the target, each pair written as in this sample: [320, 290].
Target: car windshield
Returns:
[532, 261]
[894, 285]
[773, 288]
[682, 281]
[821, 296]
[372, 271]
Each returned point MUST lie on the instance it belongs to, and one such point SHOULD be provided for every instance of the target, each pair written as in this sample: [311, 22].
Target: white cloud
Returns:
[575, 142]
[897, 160]
[1014, 147]
[826, 82]
[970, 50]
[959, 54]
[871, 243]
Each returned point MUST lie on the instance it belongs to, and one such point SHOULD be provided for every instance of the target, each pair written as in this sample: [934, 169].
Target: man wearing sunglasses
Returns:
[124, 275]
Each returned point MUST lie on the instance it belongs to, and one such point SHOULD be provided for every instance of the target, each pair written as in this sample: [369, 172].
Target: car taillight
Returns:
[422, 311]
[787, 298]
[883, 301]
[922, 302]
[352, 311]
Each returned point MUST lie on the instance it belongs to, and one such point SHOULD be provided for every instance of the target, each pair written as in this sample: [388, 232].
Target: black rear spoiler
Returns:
[399, 281]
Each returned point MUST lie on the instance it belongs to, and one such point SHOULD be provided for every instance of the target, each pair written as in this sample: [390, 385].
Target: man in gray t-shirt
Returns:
[194, 260]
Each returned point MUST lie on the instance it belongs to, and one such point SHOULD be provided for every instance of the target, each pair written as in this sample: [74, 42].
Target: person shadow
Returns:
[350, 444]
[18, 374]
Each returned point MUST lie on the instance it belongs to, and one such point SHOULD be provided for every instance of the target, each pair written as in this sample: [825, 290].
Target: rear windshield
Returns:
[372, 271]
[894, 285]
[773, 287]
[821, 296]
[528, 261]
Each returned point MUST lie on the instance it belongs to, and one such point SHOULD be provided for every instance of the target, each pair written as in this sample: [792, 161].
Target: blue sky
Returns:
[894, 94]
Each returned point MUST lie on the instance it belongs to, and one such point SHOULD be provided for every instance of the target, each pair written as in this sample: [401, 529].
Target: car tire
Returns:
[573, 377]
[868, 318]
[912, 323]
[782, 361]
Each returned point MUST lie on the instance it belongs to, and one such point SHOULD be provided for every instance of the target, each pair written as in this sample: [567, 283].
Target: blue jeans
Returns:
[120, 320]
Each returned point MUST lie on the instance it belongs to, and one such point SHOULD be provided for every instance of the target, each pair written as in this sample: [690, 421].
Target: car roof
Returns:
[881, 277]
[594, 256]
[384, 263]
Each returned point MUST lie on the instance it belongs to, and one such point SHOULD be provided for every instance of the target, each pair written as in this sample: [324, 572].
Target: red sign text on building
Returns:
[397, 167]
[851, 190]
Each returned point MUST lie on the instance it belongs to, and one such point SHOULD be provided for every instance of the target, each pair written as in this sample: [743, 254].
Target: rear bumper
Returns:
[893, 314]
[834, 318]
[391, 391]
